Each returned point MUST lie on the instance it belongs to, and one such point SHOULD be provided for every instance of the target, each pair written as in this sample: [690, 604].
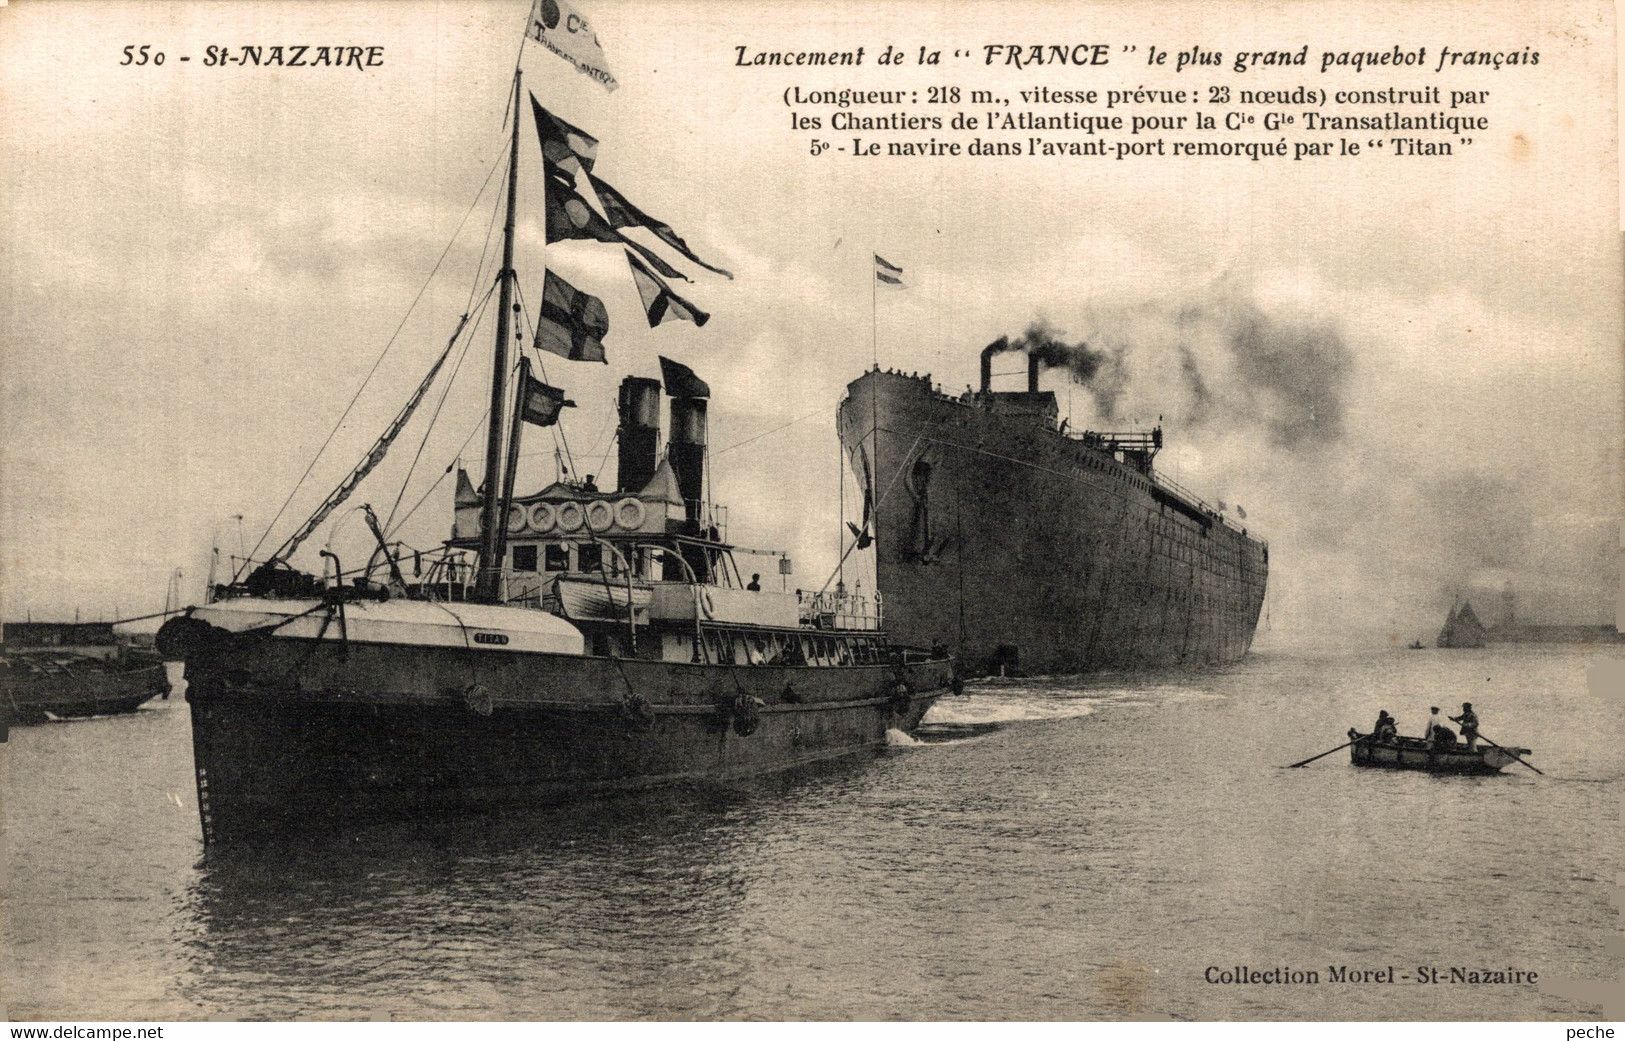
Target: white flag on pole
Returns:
[560, 28]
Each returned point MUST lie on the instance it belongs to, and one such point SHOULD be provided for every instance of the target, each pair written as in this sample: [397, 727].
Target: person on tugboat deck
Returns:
[1469, 724]
[755, 585]
[1385, 728]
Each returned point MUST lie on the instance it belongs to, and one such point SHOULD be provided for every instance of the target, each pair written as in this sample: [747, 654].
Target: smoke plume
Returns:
[1374, 524]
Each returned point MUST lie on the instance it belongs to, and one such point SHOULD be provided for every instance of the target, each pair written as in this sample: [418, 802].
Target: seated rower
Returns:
[1384, 729]
[1443, 737]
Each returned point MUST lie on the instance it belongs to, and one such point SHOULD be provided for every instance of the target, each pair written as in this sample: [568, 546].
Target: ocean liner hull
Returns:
[1028, 550]
[316, 734]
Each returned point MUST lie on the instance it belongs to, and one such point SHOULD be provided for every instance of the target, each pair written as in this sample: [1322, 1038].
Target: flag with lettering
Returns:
[572, 323]
[622, 214]
[563, 145]
[539, 403]
[887, 273]
[559, 26]
[661, 304]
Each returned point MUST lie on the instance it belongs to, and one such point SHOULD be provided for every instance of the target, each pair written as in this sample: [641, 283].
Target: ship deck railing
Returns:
[832, 610]
[1170, 485]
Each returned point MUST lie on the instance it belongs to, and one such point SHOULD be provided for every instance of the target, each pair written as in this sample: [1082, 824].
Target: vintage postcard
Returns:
[658, 510]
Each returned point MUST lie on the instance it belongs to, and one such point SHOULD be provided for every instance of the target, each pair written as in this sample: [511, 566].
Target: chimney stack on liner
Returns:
[1032, 372]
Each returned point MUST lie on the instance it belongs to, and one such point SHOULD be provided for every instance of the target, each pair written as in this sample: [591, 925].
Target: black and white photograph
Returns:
[691, 511]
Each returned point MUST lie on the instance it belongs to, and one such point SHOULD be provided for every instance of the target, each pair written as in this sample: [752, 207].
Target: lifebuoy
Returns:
[600, 515]
[542, 516]
[630, 514]
[569, 516]
[517, 516]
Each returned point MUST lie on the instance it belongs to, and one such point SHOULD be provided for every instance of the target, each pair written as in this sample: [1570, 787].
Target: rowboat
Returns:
[1413, 753]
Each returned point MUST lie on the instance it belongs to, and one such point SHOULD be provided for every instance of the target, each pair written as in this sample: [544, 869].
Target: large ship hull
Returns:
[316, 735]
[1027, 550]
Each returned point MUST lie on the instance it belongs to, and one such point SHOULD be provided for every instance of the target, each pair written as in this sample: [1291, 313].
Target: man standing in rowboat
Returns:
[1469, 724]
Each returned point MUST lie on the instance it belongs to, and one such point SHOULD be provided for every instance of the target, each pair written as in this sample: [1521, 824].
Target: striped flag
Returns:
[887, 273]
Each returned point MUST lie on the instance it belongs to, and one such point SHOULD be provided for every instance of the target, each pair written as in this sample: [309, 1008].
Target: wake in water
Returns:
[989, 704]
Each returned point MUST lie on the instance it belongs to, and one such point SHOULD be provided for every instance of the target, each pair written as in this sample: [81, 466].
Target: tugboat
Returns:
[566, 642]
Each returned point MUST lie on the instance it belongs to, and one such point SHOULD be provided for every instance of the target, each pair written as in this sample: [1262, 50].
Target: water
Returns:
[1048, 849]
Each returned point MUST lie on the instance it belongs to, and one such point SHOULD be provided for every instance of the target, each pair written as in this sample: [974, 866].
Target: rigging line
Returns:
[757, 437]
[370, 372]
[444, 474]
[473, 328]
[605, 461]
[596, 441]
[485, 247]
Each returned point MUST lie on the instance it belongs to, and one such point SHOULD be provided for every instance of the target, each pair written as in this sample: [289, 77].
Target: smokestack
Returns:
[639, 432]
[987, 363]
[687, 447]
[1032, 371]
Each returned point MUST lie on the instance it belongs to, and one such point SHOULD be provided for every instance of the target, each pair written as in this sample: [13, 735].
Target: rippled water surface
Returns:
[1056, 848]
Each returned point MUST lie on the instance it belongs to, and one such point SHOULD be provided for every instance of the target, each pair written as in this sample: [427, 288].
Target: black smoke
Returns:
[1233, 361]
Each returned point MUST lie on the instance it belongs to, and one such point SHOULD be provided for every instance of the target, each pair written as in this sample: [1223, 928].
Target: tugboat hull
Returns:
[370, 732]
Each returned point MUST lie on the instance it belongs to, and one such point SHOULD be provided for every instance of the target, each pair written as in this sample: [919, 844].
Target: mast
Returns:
[512, 468]
[491, 524]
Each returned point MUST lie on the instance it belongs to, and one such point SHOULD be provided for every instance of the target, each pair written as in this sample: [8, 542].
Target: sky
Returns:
[1407, 371]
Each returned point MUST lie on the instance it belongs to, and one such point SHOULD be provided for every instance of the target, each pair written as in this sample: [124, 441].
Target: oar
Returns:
[1328, 752]
[1509, 752]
